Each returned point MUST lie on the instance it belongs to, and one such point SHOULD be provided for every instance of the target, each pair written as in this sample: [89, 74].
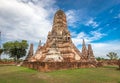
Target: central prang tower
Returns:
[59, 46]
[59, 23]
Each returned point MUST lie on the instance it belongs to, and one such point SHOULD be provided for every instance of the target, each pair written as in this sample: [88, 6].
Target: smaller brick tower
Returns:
[30, 52]
[90, 54]
[84, 51]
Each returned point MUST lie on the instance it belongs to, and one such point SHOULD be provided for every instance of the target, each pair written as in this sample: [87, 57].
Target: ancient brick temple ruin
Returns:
[59, 46]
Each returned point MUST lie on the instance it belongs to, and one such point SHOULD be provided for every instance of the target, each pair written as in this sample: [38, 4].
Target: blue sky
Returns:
[97, 21]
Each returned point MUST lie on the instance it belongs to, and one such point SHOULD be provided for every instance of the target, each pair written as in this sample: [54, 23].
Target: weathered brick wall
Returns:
[50, 66]
[7, 62]
[108, 62]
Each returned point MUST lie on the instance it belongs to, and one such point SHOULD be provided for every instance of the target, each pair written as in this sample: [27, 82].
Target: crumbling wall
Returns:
[50, 66]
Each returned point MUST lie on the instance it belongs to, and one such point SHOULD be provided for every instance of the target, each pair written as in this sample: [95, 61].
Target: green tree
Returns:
[1, 50]
[15, 49]
[112, 55]
[100, 58]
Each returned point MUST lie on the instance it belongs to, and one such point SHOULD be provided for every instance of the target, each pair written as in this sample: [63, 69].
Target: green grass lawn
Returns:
[14, 74]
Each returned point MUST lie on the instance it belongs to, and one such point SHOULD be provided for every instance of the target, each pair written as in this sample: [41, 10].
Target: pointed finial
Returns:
[39, 42]
[83, 42]
[60, 12]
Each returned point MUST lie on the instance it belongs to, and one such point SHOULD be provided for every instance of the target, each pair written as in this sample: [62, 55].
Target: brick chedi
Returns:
[91, 56]
[30, 52]
[59, 46]
[84, 51]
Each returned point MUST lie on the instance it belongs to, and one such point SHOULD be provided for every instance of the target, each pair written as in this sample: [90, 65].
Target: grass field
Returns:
[14, 74]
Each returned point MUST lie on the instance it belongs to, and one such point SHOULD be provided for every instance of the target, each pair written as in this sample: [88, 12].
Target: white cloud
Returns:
[72, 17]
[75, 17]
[96, 35]
[101, 49]
[26, 19]
[92, 23]
[78, 39]
[92, 36]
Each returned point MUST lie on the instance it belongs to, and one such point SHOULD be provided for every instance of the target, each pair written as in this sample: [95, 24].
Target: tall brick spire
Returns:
[90, 53]
[59, 20]
[59, 23]
[84, 50]
[30, 52]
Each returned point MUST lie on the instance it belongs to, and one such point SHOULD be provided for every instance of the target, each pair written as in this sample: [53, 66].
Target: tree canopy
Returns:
[100, 58]
[112, 55]
[16, 49]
